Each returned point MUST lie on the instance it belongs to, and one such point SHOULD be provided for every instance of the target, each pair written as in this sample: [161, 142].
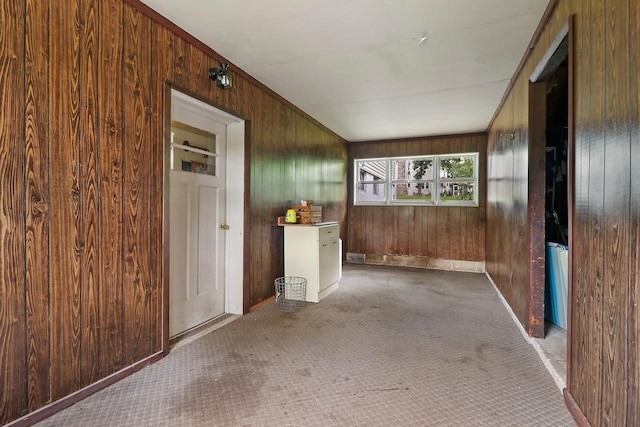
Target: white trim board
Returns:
[560, 382]
[234, 266]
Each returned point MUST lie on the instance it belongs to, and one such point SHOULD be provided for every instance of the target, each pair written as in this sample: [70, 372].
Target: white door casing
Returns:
[206, 262]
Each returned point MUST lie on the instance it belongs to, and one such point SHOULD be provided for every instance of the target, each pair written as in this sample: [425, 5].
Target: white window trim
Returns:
[435, 182]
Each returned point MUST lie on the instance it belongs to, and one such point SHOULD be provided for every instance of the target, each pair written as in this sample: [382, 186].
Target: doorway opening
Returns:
[557, 145]
[204, 217]
[550, 206]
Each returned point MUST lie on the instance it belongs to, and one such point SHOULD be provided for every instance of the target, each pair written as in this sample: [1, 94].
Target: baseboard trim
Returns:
[575, 410]
[261, 303]
[417, 261]
[560, 383]
[63, 403]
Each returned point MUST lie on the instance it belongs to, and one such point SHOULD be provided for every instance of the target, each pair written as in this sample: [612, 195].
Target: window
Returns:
[372, 186]
[449, 179]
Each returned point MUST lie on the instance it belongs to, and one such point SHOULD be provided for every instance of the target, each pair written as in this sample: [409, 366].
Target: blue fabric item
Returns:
[556, 293]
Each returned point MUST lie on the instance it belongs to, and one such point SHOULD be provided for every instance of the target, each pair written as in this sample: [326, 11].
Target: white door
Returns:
[197, 202]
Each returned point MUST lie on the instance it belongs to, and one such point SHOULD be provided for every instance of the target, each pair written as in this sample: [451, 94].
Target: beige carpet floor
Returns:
[391, 347]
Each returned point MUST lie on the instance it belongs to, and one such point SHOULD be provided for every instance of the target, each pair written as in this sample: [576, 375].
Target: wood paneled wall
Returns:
[81, 125]
[604, 376]
[447, 233]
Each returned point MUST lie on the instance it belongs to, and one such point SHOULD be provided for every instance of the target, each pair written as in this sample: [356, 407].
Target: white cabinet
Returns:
[314, 252]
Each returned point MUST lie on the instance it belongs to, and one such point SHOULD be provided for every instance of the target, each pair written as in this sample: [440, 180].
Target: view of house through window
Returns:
[371, 183]
[449, 179]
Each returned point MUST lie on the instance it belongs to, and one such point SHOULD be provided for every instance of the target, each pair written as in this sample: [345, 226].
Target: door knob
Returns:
[224, 226]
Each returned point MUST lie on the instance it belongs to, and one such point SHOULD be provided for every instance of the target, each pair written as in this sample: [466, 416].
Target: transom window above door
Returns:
[192, 150]
[447, 179]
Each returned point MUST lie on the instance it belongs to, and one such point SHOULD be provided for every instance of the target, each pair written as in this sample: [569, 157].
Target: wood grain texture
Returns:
[160, 134]
[616, 200]
[89, 263]
[603, 375]
[180, 58]
[66, 244]
[633, 318]
[431, 233]
[592, 373]
[605, 295]
[571, 181]
[13, 373]
[110, 158]
[520, 192]
[424, 231]
[136, 200]
[536, 274]
[163, 58]
[506, 211]
[96, 74]
[37, 201]
[248, 230]
[198, 70]
[256, 185]
[578, 306]
[269, 120]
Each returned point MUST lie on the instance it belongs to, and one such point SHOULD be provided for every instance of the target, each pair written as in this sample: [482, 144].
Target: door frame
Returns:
[562, 47]
[235, 206]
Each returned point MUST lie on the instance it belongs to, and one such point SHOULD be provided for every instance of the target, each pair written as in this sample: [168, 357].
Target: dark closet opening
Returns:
[557, 144]
[550, 201]
[556, 215]
[549, 209]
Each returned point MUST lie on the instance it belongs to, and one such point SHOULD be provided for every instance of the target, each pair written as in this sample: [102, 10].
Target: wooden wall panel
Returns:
[162, 63]
[633, 389]
[603, 376]
[450, 233]
[37, 201]
[137, 209]
[81, 205]
[257, 200]
[581, 214]
[110, 158]
[268, 225]
[535, 227]
[616, 200]
[88, 128]
[494, 256]
[431, 227]
[443, 232]
[506, 206]
[517, 230]
[180, 61]
[591, 378]
[13, 374]
[592, 373]
[66, 244]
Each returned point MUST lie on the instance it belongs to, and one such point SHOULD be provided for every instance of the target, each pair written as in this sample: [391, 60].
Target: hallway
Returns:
[392, 346]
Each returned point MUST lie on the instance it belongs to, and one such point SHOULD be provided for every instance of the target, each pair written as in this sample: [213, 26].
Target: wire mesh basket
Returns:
[291, 292]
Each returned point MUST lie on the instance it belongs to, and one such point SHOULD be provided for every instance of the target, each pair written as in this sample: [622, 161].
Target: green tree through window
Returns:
[458, 168]
[437, 179]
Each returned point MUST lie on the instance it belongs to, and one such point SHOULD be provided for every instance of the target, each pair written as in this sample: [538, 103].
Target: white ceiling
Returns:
[358, 66]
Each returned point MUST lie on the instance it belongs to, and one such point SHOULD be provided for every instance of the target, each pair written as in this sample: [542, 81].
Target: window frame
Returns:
[436, 182]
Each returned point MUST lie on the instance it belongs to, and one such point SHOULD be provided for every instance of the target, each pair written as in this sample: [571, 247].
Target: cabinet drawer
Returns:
[328, 232]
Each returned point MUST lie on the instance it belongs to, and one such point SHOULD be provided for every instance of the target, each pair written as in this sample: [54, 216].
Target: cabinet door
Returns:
[329, 254]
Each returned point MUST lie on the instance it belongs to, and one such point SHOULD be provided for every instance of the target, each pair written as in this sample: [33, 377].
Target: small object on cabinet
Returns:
[291, 217]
